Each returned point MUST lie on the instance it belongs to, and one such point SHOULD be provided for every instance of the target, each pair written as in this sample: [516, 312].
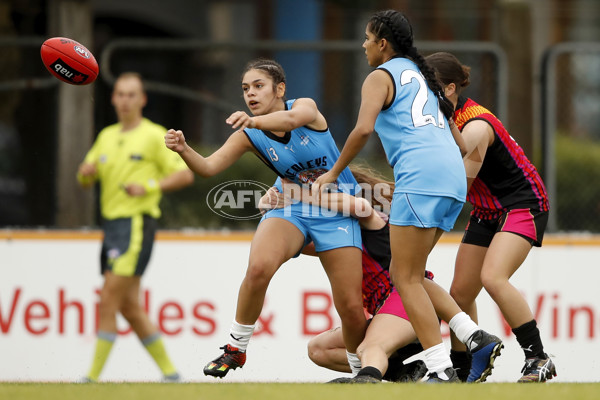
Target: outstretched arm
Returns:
[304, 112]
[220, 160]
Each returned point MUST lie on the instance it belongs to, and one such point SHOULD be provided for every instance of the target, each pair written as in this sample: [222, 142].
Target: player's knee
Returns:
[108, 305]
[259, 273]
[492, 282]
[360, 349]
[406, 280]
[350, 306]
[316, 352]
[460, 297]
[131, 310]
[353, 317]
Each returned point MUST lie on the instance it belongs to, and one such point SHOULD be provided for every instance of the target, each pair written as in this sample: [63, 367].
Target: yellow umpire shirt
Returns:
[136, 156]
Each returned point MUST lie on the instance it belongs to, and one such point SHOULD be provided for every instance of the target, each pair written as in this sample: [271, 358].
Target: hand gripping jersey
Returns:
[301, 155]
[416, 137]
[507, 179]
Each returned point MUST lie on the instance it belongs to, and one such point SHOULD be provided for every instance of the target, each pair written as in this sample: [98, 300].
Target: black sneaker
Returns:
[538, 370]
[433, 377]
[487, 350]
[364, 379]
[232, 358]
[412, 372]
[343, 379]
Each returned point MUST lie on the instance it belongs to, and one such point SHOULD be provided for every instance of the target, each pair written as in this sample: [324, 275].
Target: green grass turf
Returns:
[296, 391]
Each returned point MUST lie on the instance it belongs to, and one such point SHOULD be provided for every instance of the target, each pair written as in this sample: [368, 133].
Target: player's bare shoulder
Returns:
[319, 122]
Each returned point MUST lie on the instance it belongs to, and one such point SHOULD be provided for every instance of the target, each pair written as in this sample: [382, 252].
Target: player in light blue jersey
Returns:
[404, 103]
[293, 139]
[301, 156]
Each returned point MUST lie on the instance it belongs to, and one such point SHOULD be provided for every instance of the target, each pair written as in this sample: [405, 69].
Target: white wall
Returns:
[191, 287]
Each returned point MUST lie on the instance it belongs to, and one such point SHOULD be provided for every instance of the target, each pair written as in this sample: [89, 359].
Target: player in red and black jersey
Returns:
[390, 337]
[510, 213]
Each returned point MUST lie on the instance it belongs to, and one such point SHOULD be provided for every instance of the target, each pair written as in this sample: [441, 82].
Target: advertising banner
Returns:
[49, 289]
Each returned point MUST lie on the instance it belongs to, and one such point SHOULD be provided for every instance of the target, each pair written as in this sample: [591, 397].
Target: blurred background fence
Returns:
[535, 64]
[571, 99]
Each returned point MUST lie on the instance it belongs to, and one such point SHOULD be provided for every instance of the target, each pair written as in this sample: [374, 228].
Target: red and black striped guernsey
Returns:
[507, 179]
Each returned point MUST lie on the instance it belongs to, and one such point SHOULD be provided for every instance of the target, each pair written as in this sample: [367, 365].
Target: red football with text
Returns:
[69, 61]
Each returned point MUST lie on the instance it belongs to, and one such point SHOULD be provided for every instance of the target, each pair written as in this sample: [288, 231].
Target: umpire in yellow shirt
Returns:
[134, 168]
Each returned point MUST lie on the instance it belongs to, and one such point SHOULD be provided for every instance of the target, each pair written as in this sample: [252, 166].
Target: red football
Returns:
[69, 61]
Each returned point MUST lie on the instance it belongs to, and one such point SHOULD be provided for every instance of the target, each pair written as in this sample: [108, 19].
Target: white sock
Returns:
[354, 362]
[239, 335]
[437, 360]
[463, 327]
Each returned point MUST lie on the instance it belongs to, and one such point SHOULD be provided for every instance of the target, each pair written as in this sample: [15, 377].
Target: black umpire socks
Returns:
[528, 336]
[371, 371]
[461, 362]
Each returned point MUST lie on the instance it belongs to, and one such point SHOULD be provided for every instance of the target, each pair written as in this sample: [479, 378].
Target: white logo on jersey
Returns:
[305, 140]
[291, 148]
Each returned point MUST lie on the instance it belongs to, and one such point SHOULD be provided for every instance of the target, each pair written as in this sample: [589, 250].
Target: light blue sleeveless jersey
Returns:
[301, 156]
[416, 137]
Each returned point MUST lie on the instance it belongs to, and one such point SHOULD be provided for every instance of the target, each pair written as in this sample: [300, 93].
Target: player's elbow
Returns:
[363, 130]
[204, 173]
[290, 123]
[203, 170]
[208, 167]
[187, 178]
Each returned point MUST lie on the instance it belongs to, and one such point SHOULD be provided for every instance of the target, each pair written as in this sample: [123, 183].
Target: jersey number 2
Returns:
[418, 104]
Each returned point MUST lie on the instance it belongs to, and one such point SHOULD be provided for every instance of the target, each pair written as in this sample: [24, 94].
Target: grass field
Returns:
[296, 391]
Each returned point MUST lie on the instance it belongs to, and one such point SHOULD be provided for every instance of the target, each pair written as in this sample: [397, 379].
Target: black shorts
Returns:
[127, 245]
[528, 223]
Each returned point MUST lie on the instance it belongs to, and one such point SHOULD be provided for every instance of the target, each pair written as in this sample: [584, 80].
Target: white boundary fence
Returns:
[48, 299]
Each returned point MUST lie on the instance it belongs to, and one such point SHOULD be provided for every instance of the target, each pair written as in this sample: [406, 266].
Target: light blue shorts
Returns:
[424, 211]
[327, 232]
